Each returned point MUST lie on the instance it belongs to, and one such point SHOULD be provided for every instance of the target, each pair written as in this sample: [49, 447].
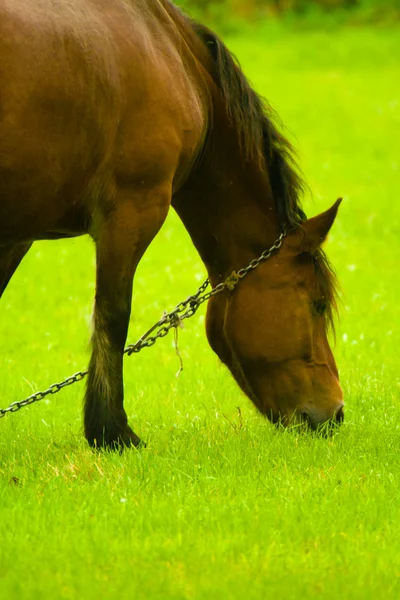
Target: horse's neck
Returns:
[228, 210]
[226, 203]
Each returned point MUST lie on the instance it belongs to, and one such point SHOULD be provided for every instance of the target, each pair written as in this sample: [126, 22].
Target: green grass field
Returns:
[220, 506]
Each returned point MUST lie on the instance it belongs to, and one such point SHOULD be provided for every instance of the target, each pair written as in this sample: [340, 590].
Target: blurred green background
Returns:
[226, 12]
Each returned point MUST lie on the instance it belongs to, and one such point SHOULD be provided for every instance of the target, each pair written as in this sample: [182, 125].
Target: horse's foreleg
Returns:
[10, 258]
[120, 243]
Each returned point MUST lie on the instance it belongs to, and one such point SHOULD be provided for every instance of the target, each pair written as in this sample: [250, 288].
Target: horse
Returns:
[111, 112]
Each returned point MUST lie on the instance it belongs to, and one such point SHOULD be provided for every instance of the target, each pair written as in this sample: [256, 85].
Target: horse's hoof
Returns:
[126, 439]
[129, 439]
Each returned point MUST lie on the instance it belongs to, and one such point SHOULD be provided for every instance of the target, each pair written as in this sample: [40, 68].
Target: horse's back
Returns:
[91, 92]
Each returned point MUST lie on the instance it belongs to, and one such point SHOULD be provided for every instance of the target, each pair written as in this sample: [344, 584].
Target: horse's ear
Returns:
[315, 230]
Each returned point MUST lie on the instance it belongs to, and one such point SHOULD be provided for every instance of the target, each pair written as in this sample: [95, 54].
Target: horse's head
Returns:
[272, 331]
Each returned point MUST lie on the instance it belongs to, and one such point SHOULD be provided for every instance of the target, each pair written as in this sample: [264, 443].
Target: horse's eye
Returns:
[319, 306]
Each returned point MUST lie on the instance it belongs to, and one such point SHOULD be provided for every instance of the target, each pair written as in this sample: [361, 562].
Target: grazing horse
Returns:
[111, 111]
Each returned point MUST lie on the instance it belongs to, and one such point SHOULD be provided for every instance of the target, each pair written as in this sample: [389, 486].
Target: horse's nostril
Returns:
[339, 416]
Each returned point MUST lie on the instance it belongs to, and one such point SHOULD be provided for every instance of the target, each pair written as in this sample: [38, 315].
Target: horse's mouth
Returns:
[307, 419]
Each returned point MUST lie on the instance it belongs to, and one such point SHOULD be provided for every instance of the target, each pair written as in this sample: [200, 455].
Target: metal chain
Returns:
[184, 310]
[53, 389]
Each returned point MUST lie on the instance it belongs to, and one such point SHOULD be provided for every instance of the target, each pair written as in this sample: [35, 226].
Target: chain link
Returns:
[184, 310]
[53, 389]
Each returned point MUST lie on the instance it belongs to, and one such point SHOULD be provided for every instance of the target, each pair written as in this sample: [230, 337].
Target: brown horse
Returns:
[111, 111]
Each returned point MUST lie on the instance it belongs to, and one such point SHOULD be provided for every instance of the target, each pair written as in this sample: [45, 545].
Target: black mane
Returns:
[256, 124]
[261, 140]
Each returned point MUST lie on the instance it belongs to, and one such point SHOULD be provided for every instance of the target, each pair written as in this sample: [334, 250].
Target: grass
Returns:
[221, 504]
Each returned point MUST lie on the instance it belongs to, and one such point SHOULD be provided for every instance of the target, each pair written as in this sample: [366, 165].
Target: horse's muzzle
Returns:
[315, 418]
